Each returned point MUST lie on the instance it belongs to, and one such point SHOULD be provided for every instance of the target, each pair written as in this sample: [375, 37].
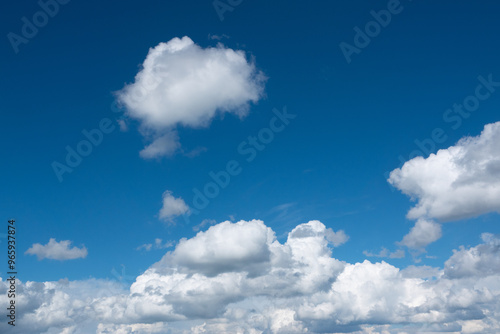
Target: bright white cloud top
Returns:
[459, 182]
[183, 84]
[54, 250]
[237, 278]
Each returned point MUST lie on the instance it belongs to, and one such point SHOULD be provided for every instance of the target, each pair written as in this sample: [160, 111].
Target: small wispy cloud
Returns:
[459, 182]
[204, 222]
[422, 234]
[57, 250]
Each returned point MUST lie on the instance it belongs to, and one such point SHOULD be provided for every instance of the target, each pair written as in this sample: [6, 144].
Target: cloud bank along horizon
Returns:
[236, 277]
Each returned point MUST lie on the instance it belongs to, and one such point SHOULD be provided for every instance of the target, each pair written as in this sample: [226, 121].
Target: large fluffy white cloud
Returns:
[484, 258]
[459, 182]
[181, 83]
[54, 250]
[263, 286]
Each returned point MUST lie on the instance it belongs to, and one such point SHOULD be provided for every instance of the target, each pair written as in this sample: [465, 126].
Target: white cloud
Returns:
[181, 83]
[423, 233]
[263, 286]
[316, 229]
[172, 206]
[57, 250]
[57, 307]
[459, 182]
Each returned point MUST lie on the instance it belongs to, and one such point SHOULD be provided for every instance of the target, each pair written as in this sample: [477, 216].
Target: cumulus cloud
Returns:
[423, 233]
[225, 247]
[183, 84]
[57, 307]
[172, 206]
[459, 182]
[165, 145]
[264, 286]
[57, 250]
[475, 261]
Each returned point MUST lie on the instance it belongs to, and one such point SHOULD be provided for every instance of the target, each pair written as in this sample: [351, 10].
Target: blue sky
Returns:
[356, 120]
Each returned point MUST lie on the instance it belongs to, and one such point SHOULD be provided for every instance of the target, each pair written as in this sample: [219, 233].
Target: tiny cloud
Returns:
[183, 84]
[57, 250]
[172, 206]
[238, 278]
[423, 233]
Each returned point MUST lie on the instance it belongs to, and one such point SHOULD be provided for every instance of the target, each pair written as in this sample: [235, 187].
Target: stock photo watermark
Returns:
[247, 149]
[30, 26]
[122, 278]
[94, 137]
[12, 271]
[84, 148]
[363, 37]
[223, 6]
[453, 116]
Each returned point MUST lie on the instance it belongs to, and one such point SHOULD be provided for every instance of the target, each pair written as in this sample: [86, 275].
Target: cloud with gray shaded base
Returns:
[459, 182]
[291, 287]
[183, 84]
[422, 234]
